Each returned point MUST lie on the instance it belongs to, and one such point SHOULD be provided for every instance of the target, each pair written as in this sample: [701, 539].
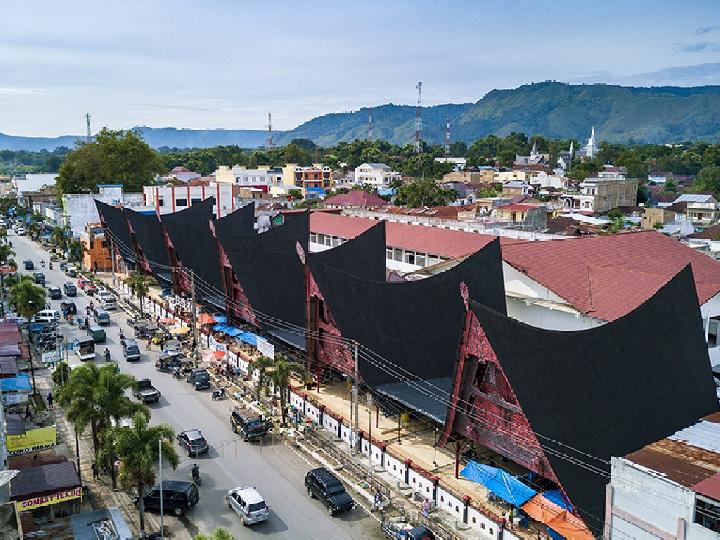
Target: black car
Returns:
[131, 351]
[199, 378]
[29, 265]
[178, 497]
[68, 307]
[39, 278]
[70, 289]
[249, 424]
[324, 485]
[193, 441]
[55, 293]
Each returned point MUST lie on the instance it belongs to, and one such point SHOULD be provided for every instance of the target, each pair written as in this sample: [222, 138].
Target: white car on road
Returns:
[248, 504]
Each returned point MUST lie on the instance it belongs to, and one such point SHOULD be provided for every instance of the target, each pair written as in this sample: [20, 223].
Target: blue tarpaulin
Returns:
[556, 496]
[248, 337]
[502, 484]
[219, 318]
[220, 327]
[19, 383]
[232, 331]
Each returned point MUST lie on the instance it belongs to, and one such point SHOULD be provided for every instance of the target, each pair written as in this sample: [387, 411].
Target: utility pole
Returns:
[371, 126]
[447, 138]
[369, 408]
[89, 133]
[418, 120]
[112, 261]
[162, 529]
[355, 390]
[194, 314]
[269, 140]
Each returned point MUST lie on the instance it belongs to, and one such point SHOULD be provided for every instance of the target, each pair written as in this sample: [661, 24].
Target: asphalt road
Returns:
[275, 469]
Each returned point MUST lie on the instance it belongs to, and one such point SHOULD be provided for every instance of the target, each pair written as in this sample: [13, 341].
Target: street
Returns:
[276, 470]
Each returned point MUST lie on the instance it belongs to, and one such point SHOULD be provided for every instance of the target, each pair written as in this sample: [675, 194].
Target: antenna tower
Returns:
[447, 138]
[87, 121]
[371, 125]
[269, 140]
[418, 120]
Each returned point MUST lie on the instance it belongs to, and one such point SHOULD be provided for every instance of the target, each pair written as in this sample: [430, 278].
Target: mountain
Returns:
[552, 109]
[155, 137]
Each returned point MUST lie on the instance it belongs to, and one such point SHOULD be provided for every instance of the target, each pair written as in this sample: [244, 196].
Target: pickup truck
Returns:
[146, 392]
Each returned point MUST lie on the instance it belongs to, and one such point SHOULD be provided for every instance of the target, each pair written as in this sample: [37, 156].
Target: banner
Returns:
[47, 500]
[51, 357]
[33, 441]
[265, 348]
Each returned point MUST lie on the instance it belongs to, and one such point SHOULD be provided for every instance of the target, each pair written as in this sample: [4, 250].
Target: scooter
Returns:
[196, 474]
[219, 394]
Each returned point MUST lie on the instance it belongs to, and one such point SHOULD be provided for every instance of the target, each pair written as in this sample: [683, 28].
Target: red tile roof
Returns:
[518, 207]
[418, 238]
[609, 276]
[355, 198]
[710, 487]
[711, 233]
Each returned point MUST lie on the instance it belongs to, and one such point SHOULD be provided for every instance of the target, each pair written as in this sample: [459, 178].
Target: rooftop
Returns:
[355, 198]
[609, 276]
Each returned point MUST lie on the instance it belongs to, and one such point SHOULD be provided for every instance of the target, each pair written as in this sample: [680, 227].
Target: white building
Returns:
[703, 209]
[183, 174]
[375, 174]
[603, 193]
[33, 182]
[590, 150]
[669, 489]
[167, 199]
[458, 163]
[263, 177]
[79, 208]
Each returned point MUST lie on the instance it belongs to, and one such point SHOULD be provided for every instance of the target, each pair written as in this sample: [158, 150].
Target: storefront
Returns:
[47, 490]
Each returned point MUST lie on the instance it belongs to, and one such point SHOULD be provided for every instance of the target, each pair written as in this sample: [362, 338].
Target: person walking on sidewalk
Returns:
[50, 400]
[94, 468]
[377, 500]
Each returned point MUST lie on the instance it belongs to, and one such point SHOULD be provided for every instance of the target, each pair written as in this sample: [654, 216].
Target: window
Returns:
[180, 202]
[103, 243]
[195, 201]
[161, 202]
[389, 254]
[397, 254]
[313, 237]
[420, 259]
[328, 241]
[410, 257]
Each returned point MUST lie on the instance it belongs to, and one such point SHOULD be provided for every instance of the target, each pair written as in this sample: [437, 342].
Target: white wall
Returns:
[34, 182]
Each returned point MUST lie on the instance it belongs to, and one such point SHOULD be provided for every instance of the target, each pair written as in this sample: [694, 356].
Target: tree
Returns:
[76, 249]
[217, 534]
[6, 254]
[282, 369]
[26, 297]
[261, 364]
[423, 192]
[137, 447]
[140, 285]
[61, 374]
[708, 179]
[114, 156]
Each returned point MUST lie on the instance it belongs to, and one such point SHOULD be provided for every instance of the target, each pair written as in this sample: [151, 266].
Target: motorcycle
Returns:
[218, 394]
[196, 474]
[50, 266]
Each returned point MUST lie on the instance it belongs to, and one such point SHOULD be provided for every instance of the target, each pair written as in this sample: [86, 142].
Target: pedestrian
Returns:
[94, 468]
[426, 507]
[27, 411]
[50, 400]
[377, 500]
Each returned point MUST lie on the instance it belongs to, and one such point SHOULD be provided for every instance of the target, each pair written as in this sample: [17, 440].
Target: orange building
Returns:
[96, 252]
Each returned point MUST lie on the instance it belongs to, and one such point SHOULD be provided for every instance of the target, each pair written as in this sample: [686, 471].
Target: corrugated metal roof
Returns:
[704, 435]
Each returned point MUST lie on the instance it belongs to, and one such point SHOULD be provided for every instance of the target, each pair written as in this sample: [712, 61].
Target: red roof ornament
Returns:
[300, 252]
[465, 293]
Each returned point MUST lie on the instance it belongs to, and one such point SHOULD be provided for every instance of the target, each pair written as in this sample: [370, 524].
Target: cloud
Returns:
[705, 29]
[695, 75]
[700, 46]
[21, 91]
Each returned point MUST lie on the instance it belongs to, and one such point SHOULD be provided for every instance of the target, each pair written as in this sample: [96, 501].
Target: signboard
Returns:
[50, 357]
[47, 500]
[14, 399]
[265, 348]
[32, 441]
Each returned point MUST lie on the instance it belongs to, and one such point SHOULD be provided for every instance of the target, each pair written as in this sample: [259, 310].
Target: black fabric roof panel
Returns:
[114, 221]
[610, 390]
[149, 235]
[416, 325]
[44, 479]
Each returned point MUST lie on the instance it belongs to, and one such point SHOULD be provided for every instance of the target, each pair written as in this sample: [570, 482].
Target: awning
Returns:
[501, 483]
[566, 524]
[181, 330]
[19, 383]
[248, 337]
[206, 318]
[167, 320]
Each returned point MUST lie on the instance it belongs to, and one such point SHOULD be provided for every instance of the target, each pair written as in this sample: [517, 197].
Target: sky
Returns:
[213, 63]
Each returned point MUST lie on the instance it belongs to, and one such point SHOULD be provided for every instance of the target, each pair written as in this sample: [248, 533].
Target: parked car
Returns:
[146, 392]
[55, 293]
[29, 265]
[47, 315]
[178, 497]
[325, 486]
[39, 278]
[54, 257]
[107, 300]
[71, 270]
[68, 307]
[251, 425]
[131, 351]
[193, 441]
[83, 282]
[199, 378]
[70, 289]
[63, 266]
[102, 317]
[248, 504]
[399, 528]
[21, 231]
[97, 333]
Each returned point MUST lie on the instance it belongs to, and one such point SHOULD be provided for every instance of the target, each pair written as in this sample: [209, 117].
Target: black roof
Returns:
[114, 222]
[175, 485]
[44, 479]
[150, 240]
[610, 390]
[416, 325]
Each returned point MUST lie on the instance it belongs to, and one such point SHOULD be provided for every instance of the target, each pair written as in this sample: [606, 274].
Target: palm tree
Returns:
[140, 285]
[261, 364]
[137, 446]
[27, 297]
[280, 375]
[6, 253]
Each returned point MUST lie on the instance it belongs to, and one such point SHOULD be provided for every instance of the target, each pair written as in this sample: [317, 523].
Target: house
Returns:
[354, 199]
[703, 209]
[264, 178]
[167, 199]
[79, 209]
[183, 174]
[96, 252]
[602, 193]
[458, 163]
[515, 212]
[33, 182]
[474, 177]
[588, 281]
[668, 489]
[515, 188]
[376, 174]
[656, 216]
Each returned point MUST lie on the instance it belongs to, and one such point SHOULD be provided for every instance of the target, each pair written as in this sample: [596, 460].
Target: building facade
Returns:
[79, 208]
[601, 194]
[166, 199]
[375, 174]
[96, 252]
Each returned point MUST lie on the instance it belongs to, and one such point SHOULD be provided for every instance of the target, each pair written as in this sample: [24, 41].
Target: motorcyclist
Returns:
[50, 265]
[42, 263]
[195, 472]
[107, 354]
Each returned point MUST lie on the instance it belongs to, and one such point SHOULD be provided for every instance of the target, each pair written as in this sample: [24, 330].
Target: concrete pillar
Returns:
[466, 505]
[608, 511]
[681, 529]
[408, 464]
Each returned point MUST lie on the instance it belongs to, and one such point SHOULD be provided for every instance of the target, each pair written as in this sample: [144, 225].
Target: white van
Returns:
[47, 315]
[108, 302]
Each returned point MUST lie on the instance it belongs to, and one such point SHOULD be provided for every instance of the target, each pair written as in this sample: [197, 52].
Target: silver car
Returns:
[248, 504]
